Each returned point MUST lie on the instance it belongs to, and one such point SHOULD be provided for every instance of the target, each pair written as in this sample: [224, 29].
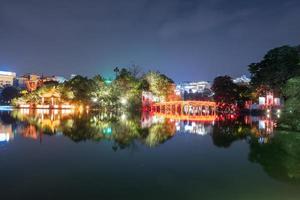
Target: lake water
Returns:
[65, 155]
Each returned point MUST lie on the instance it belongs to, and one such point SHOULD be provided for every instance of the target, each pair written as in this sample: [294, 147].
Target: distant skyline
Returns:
[188, 40]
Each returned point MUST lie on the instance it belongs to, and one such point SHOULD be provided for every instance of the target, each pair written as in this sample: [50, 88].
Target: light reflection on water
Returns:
[54, 150]
[96, 126]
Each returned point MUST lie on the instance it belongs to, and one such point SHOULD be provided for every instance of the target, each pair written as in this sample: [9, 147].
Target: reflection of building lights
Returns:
[25, 111]
[268, 115]
[43, 111]
[6, 108]
[4, 137]
[67, 106]
[42, 106]
[24, 106]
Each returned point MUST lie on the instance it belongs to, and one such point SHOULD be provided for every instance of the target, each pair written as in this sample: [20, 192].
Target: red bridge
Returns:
[186, 110]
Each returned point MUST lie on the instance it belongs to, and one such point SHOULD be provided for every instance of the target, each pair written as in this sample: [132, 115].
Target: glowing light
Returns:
[123, 117]
[42, 106]
[6, 108]
[67, 106]
[278, 111]
[107, 131]
[4, 137]
[7, 73]
[268, 110]
[107, 81]
[123, 101]
[94, 99]
[24, 106]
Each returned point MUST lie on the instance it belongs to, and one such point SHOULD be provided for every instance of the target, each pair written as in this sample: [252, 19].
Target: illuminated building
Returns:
[7, 78]
[29, 81]
[269, 100]
[243, 80]
[194, 90]
[192, 87]
[32, 81]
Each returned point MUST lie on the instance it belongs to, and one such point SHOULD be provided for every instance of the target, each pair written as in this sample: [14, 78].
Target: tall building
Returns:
[7, 78]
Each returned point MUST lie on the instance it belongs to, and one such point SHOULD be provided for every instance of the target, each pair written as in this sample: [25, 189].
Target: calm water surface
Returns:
[63, 155]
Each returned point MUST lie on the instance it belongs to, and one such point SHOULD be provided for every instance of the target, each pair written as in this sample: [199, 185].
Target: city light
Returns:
[94, 99]
[6, 73]
[123, 117]
[123, 101]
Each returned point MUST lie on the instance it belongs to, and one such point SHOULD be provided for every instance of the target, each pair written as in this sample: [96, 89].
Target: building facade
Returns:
[194, 90]
[7, 78]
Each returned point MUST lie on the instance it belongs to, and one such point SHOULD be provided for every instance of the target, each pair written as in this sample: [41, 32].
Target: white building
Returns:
[243, 80]
[192, 87]
[194, 90]
[7, 78]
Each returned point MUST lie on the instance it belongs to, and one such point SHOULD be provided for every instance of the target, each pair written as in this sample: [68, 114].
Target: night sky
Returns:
[185, 39]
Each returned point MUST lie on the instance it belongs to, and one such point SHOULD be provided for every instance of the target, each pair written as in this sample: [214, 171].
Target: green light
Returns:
[108, 81]
[107, 131]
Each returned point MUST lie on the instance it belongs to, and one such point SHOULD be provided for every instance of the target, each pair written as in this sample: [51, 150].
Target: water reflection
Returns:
[276, 151]
[123, 128]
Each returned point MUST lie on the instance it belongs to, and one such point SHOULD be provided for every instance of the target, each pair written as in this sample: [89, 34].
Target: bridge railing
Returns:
[185, 108]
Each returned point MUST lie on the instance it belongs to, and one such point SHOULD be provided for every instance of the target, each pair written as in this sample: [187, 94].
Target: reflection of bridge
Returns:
[186, 110]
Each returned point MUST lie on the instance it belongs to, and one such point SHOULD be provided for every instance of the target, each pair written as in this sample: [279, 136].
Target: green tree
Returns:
[160, 85]
[82, 89]
[290, 118]
[277, 66]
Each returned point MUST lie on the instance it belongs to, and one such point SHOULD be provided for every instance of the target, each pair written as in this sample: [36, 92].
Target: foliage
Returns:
[277, 66]
[9, 93]
[290, 118]
[160, 85]
[280, 157]
[81, 87]
[225, 132]
[122, 93]
[228, 95]
[225, 90]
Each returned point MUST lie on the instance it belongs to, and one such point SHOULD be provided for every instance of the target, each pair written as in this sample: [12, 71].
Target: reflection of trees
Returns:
[159, 133]
[6, 118]
[227, 131]
[122, 129]
[280, 157]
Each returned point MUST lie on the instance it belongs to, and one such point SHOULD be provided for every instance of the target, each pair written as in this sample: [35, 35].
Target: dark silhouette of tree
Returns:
[116, 70]
[290, 117]
[225, 90]
[277, 66]
[9, 93]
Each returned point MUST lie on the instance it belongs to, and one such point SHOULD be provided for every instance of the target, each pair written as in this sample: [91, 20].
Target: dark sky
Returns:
[185, 39]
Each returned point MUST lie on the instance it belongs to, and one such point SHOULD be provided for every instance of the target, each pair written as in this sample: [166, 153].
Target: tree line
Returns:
[124, 91]
[278, 72]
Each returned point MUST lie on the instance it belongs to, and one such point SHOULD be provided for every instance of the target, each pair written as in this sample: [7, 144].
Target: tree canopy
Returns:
[9, 93]
[277, 66]
[290, 118]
